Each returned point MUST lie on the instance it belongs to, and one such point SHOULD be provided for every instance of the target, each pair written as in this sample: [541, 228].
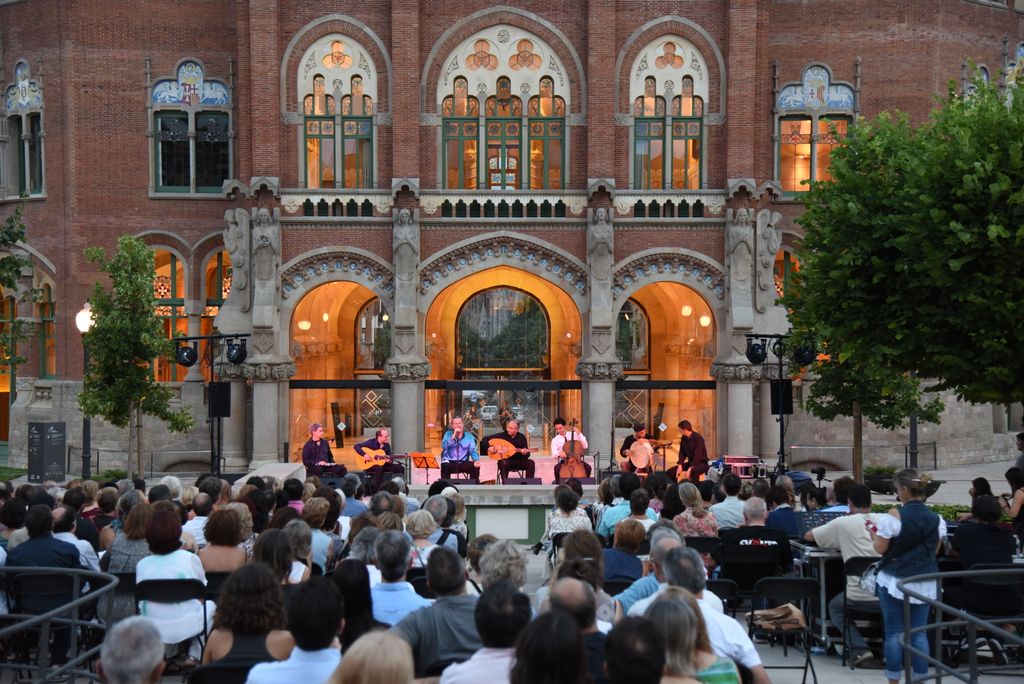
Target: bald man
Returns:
[577, 598]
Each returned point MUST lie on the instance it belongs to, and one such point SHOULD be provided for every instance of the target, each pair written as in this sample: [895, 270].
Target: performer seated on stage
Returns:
[458, 452]
[693, 453]
[562, 444]
[639, 433]
[520, 459]
[317, 456]
[379, 442]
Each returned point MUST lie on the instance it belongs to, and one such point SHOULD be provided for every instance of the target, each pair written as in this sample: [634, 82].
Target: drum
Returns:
[641, 454]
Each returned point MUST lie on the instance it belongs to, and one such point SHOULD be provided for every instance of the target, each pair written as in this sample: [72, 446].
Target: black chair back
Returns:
[728, 591]
[39, 592]
[214, 584]
[704, 544]
[745, 565]
[169, 590]
[216, 673]
[419, 583]
[855, 567]
[613, 587]
[802, 592]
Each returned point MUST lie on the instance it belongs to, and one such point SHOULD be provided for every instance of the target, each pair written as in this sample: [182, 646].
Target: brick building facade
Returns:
[418, 210]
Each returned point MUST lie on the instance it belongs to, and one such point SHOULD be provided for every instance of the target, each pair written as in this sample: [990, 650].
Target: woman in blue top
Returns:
[908, 539]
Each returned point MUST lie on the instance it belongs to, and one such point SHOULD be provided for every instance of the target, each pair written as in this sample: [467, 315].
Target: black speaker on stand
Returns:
[782, 396]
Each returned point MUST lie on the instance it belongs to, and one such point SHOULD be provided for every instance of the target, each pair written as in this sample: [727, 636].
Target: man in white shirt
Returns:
[314, 618]
[566, 443]
[202, 506]
[729, 513]
[666, 557]
[850, 535]
[64, 523]
[500, 614]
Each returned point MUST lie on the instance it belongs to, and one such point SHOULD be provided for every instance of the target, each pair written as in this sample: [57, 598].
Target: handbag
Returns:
[869, 580]
[786, 616]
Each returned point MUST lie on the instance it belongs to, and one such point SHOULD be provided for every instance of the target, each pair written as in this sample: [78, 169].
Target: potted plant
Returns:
[879, 478]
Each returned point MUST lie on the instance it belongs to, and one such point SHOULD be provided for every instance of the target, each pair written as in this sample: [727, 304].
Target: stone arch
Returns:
[320, 28]
[504, 249]
[700, 273]
[691, 31]
[502, 14]
[306, 271]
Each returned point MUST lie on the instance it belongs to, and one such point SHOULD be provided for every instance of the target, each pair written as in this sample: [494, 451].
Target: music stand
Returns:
[424, 460]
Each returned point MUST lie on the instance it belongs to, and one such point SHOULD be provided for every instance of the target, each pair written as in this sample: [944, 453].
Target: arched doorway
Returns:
[665, 338]
[502, 339]
[340, 335]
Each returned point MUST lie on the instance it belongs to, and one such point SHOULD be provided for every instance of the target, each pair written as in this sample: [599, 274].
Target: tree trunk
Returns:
[858, 444]
[130, 463]
[138, 439]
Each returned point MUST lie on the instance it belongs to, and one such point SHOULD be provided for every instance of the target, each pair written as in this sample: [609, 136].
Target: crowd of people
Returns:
[318, 582]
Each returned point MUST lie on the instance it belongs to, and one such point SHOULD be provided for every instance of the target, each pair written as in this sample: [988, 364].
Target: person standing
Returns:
[693, 453]
[1020, 448]
[520, 460]
[317, 456]
[568, 443]
[458, 452]
[379, 442]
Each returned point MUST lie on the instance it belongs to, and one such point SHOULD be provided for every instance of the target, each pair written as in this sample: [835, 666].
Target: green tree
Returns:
[125, 338]
[855, 231]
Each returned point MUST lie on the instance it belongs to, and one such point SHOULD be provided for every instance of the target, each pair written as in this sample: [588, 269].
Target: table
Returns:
[817, 558]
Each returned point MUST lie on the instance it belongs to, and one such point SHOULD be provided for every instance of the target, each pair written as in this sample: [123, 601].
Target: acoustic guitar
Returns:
[372, 457]
[500, 449]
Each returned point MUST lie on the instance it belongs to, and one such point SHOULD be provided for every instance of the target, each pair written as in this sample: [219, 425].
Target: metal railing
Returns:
[67, 615]
[958, 618]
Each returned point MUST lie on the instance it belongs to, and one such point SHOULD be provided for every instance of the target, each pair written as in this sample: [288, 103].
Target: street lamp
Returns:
[84, 320]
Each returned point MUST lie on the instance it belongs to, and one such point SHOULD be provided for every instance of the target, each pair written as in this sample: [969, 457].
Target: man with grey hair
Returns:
[753, 533]
[202, 506]
[362, 549]
[132, 653]
[173, 485]
[393, 597]
[350, 487]
[667, 576]
[437, 506]
[411, 504]
[648, 585]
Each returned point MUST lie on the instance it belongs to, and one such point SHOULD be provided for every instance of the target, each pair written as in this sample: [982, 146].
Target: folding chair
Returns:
[175, 591]
[214, 583]
[34, 593]
[728, 591]
[613, 587]
[802, 592]
[855, 567]
[420, 584]
[1008, 587]
[745, 565]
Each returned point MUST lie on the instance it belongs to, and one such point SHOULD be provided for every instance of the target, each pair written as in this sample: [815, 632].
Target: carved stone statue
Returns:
[236, 242]
[769, 240]
[406, 246]
[266, 243]
[740, 261]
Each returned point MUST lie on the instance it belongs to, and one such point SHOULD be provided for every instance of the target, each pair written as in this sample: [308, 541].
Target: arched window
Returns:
[681, 131]
[169, 292]
[47, 312]
[502, 332]
[337, 87]
[547, 138]
[504, 113]
[815, 116]
[21, 148]
[373, 336]
[632, 337]
[191, 131]
[461, 112]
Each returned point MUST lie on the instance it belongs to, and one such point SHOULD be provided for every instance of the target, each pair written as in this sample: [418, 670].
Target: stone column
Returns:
[738, 376]
[599, 405]
[234, 427]
[1016, 414]
[267, 378]
[999, 422]
[408, 367]
[407, 416]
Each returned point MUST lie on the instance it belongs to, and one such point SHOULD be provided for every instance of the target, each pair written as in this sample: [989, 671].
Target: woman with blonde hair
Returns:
[363, 663]
[420, 525]
[695, 521]
[688, 654]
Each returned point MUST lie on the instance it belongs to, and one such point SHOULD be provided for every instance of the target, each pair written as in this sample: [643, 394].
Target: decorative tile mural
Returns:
[191, 88]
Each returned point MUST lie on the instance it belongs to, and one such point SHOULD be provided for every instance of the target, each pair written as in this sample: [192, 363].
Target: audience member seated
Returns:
[668, 574]
[443, 512]
[501, 613]
[550, 651]
[353, 581]
[300, 537]
[293, 489]
[1013, 502]
[782, 516]
[474, 552]
[12, 517]
[445, 631]
[249, 624]
[361, 550]
[610, 517]
[504, 561]
[620, 561]
[729, 513]
[639, 504]
[244, 510]
[982, 540]
[202, 506]
[65, 522]
[313, 514]
[129, 547]
[394, 598]
[76, 499]
[577, 599]
[222, 552]
[363, 663]
[812, 498]
[840, 503]
[634, 653]
[177, 621]
[582, 559]
[273, 550]
[753, 533]
[132, 653]
[850, 535]
[565, 518]
[696, 520]
[352, 487]
[314, 620]
[687, 649]
[106, 507]
[421, 526]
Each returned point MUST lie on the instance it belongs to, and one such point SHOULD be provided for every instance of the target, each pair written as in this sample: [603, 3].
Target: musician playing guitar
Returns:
[566, 444]
[458, 451]
[520, 457]
[376, 454]
[317, 457]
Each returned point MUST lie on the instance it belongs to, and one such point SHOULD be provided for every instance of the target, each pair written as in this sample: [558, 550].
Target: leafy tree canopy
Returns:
[911, 260]
[123, 341]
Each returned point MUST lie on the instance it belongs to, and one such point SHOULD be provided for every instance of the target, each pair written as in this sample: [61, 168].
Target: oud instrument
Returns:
[500, 449]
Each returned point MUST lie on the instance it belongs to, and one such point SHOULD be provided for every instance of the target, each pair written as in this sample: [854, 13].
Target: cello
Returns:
[572, 464]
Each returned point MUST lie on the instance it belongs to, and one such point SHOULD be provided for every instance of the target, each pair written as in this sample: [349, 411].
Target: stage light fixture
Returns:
[187, 355]
[805, 355]
[237, 352]
[756, 352]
